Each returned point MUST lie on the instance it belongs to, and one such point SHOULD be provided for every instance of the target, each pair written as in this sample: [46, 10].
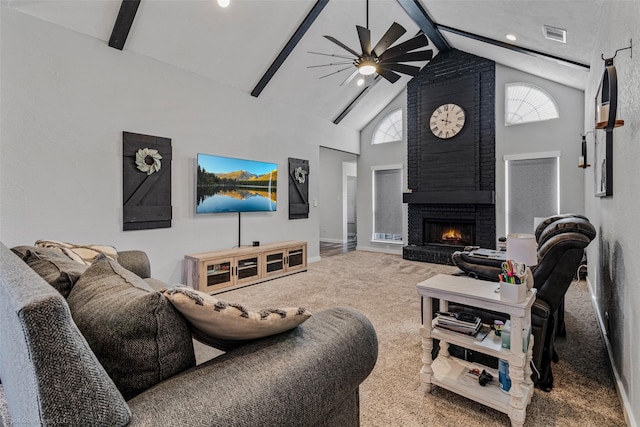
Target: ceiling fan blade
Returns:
[412, 44]
[332, 54]
[342, 45]
[389, 75]
[422, 55]
[329, 65]
[335, 72]
[351, 76]
[401, 68]
[365, 39]
[393, 33]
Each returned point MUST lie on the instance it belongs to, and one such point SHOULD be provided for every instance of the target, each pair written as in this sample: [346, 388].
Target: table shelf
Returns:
[451, 373]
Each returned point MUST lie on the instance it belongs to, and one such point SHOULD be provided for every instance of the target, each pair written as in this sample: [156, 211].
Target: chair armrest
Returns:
[478, 267]
[294, 378]
[135, 261]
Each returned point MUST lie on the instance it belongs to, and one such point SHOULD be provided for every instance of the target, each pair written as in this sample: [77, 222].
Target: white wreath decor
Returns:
[300, 174]
[148, 160]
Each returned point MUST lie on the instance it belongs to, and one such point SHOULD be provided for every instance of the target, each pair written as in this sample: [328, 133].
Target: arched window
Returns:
[527, 103]
[389, 129]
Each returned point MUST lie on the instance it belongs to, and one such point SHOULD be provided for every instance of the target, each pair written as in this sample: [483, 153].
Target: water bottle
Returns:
[503, 375]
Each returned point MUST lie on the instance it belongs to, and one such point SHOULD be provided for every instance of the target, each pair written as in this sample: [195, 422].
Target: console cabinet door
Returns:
[274, 262]
[297, 258]
[217, 273]
[248, 268]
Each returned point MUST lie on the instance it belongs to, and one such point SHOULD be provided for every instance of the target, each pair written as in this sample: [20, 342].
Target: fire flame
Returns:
[451, 234]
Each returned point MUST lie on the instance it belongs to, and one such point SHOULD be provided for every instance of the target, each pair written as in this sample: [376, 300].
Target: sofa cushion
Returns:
[53, 266]
[221, 324]
[136, 334]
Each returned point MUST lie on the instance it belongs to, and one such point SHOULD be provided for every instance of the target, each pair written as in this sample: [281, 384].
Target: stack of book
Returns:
[459, 322]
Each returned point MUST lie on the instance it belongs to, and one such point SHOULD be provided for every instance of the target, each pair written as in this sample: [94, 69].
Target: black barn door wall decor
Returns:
[298, 188]
[146, 182]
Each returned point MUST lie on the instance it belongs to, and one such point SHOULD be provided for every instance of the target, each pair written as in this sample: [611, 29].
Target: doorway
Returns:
[337, 201]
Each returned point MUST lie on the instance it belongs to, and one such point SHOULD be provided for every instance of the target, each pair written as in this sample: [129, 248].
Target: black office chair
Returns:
[561, 243]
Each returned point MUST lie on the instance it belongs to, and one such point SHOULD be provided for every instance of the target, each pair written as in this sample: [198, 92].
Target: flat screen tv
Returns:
[226, 184]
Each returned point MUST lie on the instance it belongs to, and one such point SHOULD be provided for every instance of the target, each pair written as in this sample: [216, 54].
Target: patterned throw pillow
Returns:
[137, 335]
[221, 324]
[83, 254]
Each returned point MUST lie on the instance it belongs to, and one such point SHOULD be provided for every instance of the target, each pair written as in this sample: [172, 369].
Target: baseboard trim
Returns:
[326, 240]
[622, 395]
[313, 259]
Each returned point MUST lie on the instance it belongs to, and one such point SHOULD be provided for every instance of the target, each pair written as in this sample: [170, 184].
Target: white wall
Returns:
[613, 255]
[66, 98]
[562, 134]
[332, 182]
[392, 153]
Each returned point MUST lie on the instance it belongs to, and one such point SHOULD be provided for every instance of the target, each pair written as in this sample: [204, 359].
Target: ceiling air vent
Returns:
[557, 34]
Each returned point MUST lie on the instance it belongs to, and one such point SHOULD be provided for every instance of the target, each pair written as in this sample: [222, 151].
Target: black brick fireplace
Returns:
[451, 181]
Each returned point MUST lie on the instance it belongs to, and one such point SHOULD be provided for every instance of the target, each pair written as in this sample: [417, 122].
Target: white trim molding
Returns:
[629, 416]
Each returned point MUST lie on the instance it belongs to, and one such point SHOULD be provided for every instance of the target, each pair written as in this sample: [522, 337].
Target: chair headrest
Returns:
[563, 241]
[573, 225]
[564, 224]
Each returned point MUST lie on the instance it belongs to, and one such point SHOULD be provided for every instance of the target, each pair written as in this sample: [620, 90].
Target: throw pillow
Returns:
[135, 332]
[221, 324]
[53, 266]
[83, 254]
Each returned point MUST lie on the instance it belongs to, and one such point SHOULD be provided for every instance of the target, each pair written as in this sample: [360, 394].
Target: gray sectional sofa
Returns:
[308, 376]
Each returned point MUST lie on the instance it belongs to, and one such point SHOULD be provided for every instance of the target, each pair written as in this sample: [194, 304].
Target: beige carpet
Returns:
[383, 288]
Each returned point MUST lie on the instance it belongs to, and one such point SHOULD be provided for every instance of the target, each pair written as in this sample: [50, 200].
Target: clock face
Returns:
[447, 121]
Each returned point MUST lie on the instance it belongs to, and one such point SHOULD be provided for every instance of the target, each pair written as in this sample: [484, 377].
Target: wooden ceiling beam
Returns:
[415, 10]
[123, 23]
[288, 48]
[525, 51]
[356, 100]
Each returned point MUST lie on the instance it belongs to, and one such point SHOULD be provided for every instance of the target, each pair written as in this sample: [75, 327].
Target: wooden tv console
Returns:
[224, 270]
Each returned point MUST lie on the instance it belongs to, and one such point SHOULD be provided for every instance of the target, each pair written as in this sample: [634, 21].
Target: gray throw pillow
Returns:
[135, 332]
[53, 266]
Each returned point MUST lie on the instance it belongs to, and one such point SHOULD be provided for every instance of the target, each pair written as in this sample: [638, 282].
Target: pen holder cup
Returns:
[513, 293]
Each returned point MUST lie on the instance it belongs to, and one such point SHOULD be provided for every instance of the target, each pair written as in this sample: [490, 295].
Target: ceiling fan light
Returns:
[360, 81]
[366, 69]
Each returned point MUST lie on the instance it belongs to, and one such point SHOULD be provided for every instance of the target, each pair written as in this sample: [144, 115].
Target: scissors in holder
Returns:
[513, 272]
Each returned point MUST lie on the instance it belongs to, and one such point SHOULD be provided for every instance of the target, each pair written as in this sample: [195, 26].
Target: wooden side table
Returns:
[450, 372]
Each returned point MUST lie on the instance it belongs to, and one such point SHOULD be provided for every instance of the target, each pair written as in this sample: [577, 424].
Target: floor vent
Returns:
[557, 34]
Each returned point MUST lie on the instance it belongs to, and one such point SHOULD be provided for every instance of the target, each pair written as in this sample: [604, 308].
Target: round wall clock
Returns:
[447, 121]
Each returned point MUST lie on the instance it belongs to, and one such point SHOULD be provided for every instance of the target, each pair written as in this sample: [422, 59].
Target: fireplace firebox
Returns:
[445, 232]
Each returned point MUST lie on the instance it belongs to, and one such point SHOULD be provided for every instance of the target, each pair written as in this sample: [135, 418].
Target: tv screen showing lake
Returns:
[225, 184]
[239, 199]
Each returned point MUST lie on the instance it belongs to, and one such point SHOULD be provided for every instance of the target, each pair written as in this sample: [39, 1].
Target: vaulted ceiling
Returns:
[240, 45]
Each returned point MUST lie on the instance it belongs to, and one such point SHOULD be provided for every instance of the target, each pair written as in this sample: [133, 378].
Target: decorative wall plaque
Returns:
[146, 182]
[298, 188]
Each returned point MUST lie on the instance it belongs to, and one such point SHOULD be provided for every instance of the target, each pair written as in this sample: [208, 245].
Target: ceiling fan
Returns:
[383, 59]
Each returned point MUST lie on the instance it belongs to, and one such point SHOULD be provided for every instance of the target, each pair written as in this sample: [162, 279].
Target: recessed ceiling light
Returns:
[511, 37]
[223, 3]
